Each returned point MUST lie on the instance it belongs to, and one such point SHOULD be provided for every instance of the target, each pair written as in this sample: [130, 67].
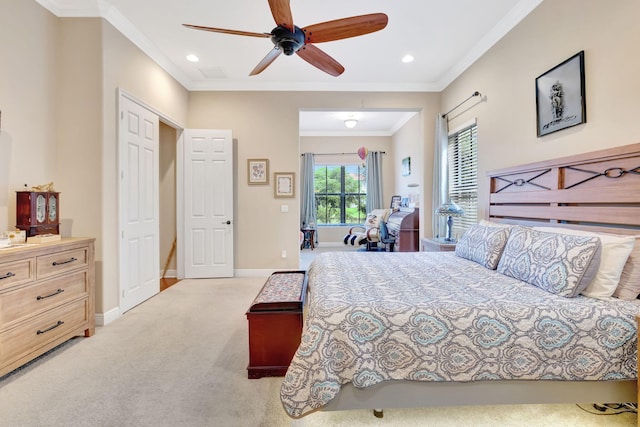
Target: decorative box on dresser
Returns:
[47, 296]
[404, 225]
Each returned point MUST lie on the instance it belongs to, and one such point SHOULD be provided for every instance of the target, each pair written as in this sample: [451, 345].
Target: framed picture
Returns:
[285, 184]
[406, 166]
[258, 171]
[395, 202]
[560, 96]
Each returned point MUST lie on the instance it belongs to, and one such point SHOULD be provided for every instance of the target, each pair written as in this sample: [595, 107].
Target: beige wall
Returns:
[28, 101]
[608, 33]
[409, 142]
[168, 138]
[265, 125]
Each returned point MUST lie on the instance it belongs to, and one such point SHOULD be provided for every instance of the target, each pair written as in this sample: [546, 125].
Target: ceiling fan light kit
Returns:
[289, 39]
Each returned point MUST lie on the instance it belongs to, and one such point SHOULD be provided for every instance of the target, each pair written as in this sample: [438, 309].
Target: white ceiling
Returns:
[445, 37]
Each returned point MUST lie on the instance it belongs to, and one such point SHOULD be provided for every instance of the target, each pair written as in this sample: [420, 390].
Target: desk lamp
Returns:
[449, 210]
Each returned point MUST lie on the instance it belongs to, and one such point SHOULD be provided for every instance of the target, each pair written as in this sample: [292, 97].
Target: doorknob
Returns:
[227, 222]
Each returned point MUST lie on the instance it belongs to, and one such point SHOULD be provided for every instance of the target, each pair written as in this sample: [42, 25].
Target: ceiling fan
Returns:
[289, 39]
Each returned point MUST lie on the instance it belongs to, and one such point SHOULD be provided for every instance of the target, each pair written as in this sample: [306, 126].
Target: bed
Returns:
[474, 327]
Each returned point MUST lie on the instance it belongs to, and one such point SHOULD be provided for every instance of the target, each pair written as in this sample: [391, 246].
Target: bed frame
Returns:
[597, 191]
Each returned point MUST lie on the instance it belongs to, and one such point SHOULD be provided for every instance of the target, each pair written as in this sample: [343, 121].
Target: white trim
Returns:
[103, 319]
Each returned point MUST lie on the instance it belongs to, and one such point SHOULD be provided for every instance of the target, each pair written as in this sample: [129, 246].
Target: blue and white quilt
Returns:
[432, 316]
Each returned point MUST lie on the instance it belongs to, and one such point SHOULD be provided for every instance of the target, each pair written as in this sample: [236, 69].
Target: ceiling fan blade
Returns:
[281, 11]
[320, 60]
[266, 61]
[222, 30]
[345, 28]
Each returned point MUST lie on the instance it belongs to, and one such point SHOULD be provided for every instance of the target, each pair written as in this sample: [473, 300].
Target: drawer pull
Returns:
[60, 322]
[64, 262]
[6, 276]
[59, 291]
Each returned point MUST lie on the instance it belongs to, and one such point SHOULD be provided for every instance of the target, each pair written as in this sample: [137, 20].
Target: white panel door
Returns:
[208, 203]
[139, 195]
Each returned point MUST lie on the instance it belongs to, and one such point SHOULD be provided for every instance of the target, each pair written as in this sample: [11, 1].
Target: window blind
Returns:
[462, 160]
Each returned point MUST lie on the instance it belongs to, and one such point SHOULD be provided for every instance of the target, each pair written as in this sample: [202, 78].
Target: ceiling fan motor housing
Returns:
[288, 42]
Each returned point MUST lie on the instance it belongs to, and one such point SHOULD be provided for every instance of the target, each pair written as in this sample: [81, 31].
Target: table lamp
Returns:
[449, 210]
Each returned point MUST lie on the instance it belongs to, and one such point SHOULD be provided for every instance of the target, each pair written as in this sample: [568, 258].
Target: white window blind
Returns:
[463, 176]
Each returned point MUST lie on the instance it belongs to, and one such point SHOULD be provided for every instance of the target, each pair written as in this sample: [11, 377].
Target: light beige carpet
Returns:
[180, 359]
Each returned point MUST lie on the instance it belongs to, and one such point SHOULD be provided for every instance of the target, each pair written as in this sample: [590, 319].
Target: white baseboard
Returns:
[169, 274]
[103, 319]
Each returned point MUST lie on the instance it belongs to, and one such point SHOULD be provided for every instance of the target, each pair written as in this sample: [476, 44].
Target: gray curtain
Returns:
[440, 177]
[374, 181]
[308, 199]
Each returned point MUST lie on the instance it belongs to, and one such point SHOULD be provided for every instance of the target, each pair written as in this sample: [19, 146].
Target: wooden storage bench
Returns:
[275, 324]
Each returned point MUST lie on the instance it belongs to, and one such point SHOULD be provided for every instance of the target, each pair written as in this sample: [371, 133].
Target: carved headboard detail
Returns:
[599, 190]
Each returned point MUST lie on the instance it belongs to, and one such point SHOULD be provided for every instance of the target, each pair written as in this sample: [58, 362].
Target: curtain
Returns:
[308, 199]
[374, 181]
[440, 184]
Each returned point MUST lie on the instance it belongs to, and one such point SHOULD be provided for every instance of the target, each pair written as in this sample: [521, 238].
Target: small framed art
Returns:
[258, 171]
[285, 184]
[406, 166]
[560, 96]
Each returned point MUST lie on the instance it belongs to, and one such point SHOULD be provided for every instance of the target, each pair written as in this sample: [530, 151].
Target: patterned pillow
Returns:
[483, 245]
[558, 263]
[614, 255]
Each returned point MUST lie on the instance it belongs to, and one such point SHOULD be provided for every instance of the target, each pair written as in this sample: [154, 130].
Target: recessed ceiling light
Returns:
[192, 58]
[407, 58]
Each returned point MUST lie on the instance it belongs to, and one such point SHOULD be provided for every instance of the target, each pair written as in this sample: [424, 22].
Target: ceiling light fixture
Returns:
[192, 58]
[351, 123]
[407, 58]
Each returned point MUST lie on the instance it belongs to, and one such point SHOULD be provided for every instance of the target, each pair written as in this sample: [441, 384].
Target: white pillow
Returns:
[615, 251]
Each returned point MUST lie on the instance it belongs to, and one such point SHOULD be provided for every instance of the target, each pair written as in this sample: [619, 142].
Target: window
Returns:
[462, 163]
[341, 194]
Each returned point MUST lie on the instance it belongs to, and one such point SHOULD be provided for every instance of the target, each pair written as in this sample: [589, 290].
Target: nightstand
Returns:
[437, 245]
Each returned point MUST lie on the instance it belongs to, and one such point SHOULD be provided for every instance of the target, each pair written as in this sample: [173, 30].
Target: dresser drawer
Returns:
[40, 330]
[17, 272]
[60, 262]
[31, 300]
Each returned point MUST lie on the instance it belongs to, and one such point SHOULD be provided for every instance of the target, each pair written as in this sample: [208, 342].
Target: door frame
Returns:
[164, 118]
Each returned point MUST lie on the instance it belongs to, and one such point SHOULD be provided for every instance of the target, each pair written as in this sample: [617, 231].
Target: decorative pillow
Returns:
[615, 251]
[558, 263]
[374, 217]
[629, 284]
[483, 245]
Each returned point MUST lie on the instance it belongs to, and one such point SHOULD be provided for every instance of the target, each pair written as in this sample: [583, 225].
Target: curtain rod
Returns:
[338, 154]
[476, 93]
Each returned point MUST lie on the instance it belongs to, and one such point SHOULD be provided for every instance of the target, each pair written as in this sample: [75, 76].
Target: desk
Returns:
[437, 245]
[308, 238]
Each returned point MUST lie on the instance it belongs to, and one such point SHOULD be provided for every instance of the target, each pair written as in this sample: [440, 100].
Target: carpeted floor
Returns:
[180, 359]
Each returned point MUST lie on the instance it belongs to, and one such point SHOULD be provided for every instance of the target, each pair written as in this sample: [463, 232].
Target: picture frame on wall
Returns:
[284, 184]
[560, 96]
[406, 166]
[258, 171]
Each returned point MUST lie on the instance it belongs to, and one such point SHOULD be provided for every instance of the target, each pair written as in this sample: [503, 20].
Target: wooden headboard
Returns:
[599, 191]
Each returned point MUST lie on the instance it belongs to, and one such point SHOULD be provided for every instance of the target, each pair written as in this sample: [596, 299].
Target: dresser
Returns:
[404, 225]
[47, 296]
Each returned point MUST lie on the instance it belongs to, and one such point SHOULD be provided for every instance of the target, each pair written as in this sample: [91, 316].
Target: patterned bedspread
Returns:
[432, 316]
